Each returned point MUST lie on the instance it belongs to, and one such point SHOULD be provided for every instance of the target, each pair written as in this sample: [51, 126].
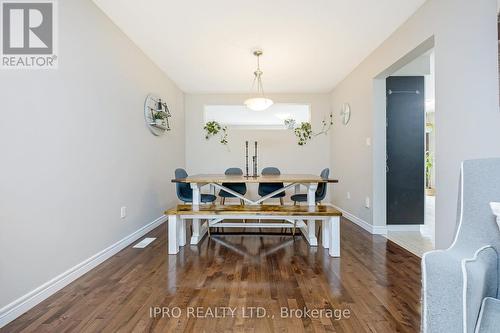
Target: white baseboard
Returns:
[402, 227]
[373, 229]
[13, 310]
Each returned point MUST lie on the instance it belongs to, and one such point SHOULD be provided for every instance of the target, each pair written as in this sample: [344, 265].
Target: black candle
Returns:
[246, 157]
[254, 167]
[255, 162]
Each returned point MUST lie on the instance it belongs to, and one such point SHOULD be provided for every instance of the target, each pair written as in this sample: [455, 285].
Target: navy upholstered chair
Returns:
[320, 191]
[268, 188]
[240, 188]
[184, 191]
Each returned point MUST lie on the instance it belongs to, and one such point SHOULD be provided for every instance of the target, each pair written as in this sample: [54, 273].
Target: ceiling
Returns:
[205, 46]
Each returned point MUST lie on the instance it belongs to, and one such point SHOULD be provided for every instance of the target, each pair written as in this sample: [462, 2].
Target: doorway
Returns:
[405, 150]
[409, 149]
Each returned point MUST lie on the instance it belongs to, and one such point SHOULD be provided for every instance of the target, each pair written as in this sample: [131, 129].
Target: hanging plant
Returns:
[212, 128]
[327, 125]
[304, 131]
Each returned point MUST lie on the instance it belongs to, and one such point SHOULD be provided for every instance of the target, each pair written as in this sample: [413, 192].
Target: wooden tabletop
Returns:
[284, 178]
[276, 210]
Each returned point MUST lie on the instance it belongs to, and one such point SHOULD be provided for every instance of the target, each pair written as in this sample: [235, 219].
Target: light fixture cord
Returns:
[258, 77]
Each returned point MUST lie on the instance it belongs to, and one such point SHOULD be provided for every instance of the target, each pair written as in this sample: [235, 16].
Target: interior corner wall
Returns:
[276, 147]
[467, 110]
[74, 149]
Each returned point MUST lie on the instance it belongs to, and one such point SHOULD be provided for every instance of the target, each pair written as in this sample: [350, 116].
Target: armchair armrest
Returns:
[454, 286]
[442, 292]
[480, 280]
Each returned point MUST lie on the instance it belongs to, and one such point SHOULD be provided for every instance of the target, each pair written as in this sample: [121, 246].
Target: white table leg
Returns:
[311, 194]
[325, 233]
[334, 250]
[199, 231]
[311, 233]
[173, 233]
[196, 194]
[308, 230]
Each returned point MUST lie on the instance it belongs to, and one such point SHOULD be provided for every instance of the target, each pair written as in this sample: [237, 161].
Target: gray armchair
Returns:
[461, 284]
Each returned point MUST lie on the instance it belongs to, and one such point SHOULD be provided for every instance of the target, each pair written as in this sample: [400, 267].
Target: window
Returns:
[272, 118]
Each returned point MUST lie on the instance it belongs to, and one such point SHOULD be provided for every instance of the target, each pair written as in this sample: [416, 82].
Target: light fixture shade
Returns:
[258, 103]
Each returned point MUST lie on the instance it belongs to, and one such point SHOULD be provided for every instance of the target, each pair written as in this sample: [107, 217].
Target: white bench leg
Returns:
[173, 234]
[325, 233]
[334, 249]
[181, 228]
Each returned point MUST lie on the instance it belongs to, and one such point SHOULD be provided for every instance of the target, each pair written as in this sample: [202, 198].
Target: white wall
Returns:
[467, 112]
[276, 147]
[74, 149]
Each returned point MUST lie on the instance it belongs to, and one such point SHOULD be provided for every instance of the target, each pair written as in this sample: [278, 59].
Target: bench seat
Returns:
[257, 210]
[291, 216]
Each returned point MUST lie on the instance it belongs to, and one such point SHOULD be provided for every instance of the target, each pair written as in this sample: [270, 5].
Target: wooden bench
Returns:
[291, 217]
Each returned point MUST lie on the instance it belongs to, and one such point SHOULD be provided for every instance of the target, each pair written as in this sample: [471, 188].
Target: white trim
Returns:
[19, 306]
[373, 229]
[461, 204]
[403, 227]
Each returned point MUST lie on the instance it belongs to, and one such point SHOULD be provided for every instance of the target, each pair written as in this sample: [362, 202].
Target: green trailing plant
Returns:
[428, 168]
[212, 128]
[326, 125]
[158, 115]
[304, 131]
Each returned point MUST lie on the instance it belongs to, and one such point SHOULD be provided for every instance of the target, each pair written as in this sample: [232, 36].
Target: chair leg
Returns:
[294, 227]
[282, 201]
[223, 200]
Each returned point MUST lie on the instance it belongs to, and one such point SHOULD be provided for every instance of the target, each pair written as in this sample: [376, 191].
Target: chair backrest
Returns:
[479, 185]
[271, 171]
[233, 172]
[183, 190]
[321, 190]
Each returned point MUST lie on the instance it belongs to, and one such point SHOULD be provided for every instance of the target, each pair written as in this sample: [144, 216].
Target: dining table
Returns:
[217, 181]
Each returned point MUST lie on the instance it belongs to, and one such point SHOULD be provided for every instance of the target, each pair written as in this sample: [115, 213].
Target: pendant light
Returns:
[259, 102]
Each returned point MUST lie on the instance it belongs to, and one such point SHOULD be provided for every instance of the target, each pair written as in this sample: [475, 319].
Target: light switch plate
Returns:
[123, 212]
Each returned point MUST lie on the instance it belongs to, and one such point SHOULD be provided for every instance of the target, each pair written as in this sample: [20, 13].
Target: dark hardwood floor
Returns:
[375, 280]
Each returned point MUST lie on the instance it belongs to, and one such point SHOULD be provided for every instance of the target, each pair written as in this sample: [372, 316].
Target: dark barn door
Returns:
[405, 150]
